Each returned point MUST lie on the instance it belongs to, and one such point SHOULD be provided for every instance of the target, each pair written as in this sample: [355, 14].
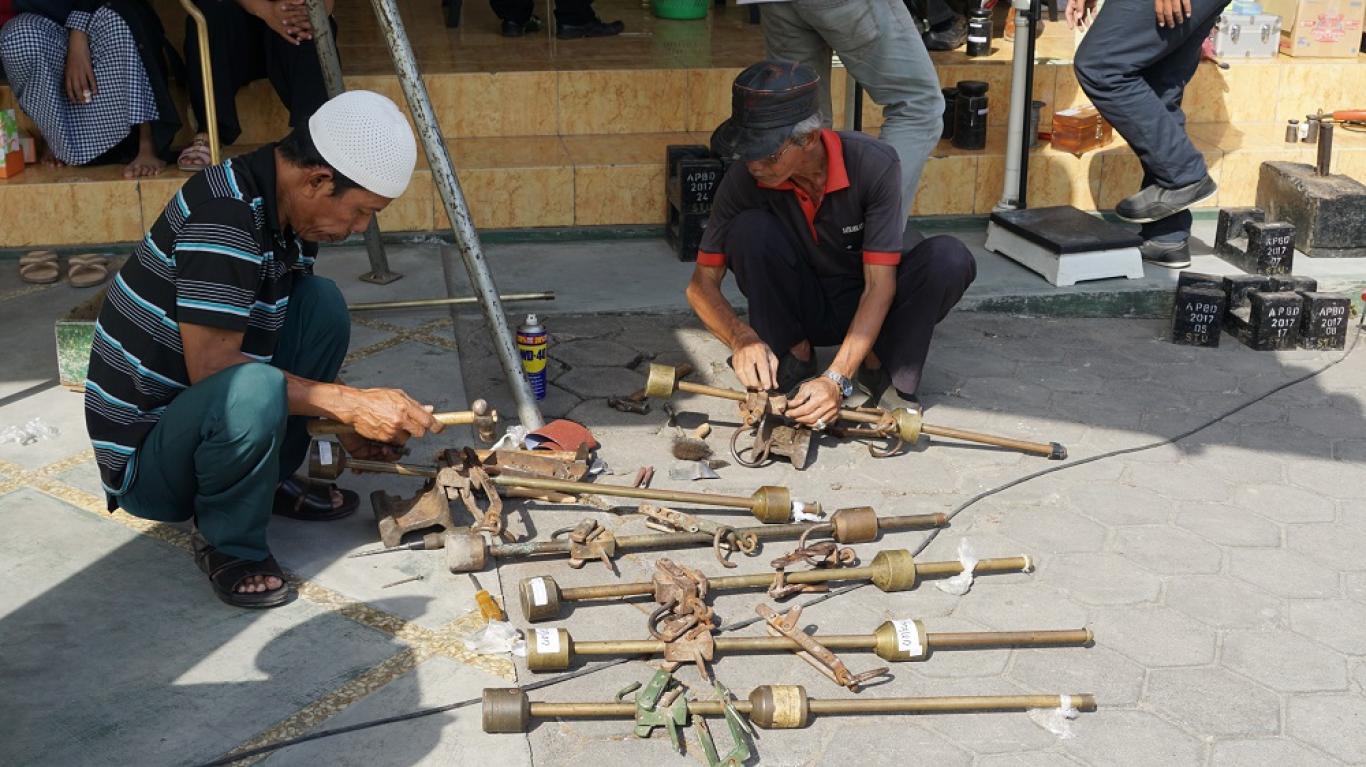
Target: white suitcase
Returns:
[1247, 36]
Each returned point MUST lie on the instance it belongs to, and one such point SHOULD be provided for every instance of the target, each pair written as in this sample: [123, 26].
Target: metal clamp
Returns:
[814, 652]
[740, 734]
[725, 539]
[819, 556]
[653, 710]
[590, 540]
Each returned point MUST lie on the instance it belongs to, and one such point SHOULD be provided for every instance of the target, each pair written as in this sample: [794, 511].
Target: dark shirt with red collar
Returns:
[857, 222]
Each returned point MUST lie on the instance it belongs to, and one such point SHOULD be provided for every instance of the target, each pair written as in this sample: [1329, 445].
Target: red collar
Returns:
[836, 176]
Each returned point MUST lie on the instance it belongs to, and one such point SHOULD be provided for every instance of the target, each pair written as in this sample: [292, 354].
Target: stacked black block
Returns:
[1324, 321]
[1245, 239]
[690, 183]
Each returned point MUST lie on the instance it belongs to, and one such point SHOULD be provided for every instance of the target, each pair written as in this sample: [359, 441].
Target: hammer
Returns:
[636, 403]
[484, 419]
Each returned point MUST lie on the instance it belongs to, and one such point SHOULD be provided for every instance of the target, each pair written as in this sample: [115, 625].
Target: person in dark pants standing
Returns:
[576, 18]
[516, 16]
[1134, 64]
[809, 220]
[249, 40]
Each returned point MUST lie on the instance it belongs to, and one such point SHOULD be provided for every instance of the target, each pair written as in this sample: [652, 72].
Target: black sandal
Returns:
[312, 501]
[227, 573]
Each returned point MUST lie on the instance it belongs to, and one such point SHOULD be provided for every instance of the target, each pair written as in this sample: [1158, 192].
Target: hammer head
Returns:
[325, 460]
[661, 381]
[485, 421]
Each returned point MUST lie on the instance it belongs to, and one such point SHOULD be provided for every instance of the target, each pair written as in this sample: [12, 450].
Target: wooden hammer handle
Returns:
[455, 418]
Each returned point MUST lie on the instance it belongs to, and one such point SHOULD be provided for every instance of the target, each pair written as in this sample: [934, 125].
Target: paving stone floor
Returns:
[1222, 575]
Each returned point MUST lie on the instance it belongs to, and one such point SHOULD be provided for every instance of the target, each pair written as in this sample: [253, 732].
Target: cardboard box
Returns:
[11, 150]
[1319, 28]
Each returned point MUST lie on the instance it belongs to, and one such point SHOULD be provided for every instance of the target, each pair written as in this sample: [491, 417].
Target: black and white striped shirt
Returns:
[215, 257]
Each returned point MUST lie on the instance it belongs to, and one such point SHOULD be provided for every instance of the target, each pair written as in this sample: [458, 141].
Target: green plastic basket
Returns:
[680, 9]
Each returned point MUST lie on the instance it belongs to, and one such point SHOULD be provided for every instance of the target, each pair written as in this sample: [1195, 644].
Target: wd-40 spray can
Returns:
[531, 343]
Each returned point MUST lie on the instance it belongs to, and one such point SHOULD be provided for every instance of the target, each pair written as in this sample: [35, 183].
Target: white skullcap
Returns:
[365, 137]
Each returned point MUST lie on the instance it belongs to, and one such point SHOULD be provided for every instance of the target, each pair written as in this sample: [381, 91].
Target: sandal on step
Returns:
[227, 573]
[39, 267]
[87, 270]
[196, 156]
[312, 501]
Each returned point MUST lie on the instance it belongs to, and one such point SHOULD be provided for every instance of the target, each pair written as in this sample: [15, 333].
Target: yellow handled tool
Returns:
[487, 605]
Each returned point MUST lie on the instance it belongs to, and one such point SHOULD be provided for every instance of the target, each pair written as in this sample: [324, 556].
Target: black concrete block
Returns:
[1273, 321]
[1198, 280]
[1294, 284]
[1324, 321]
[1197, 315]
[1328, 212]
[1236, 289]
[683, 233]
[1230, 227]
[1270, 247]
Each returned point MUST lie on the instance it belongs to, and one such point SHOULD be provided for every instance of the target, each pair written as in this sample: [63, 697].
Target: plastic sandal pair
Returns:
[85, 270]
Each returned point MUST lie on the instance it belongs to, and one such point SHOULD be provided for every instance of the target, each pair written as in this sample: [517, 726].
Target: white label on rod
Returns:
[976, 39]
[547, 641]
[325, 452]
[907, 637]
[538, 595]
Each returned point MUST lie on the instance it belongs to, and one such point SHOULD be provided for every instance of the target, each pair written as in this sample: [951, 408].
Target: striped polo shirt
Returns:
[216, 256]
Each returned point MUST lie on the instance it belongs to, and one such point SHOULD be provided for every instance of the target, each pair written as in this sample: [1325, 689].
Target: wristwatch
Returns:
[846, 386]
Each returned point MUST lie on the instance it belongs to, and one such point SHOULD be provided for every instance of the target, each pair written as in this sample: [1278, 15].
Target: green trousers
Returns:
[223, 445]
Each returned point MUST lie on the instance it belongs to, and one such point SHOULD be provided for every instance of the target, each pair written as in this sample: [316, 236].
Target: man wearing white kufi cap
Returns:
[216, 344]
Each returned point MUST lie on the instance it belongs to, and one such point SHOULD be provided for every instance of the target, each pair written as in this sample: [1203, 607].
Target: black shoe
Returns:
[594, 28]
[1173, 255]
[947, 36]
[872, 383]
[792, 371]
[1154, 203]
[513, 29]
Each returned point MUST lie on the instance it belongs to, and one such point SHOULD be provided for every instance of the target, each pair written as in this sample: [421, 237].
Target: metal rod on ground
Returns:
[326, 45]
[423, 303]
[466, 238]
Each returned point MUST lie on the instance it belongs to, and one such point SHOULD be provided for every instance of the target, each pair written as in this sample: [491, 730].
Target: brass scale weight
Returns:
[762, 414]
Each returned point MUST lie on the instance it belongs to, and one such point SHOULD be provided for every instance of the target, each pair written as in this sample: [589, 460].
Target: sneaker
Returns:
[1154, 203]
[514, 29]
[792, 371]
[1173, 255]
[594, 28]
[947, 36]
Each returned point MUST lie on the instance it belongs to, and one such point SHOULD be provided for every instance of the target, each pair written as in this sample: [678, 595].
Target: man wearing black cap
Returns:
[810, 222]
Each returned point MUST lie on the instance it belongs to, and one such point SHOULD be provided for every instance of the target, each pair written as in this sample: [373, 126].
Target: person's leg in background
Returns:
[296, 74]
[312, 344]
[930, 280]
[1121, 65]
[576, 18]
[947, 29]
[789, 37]
[517, 16]
[236, 57]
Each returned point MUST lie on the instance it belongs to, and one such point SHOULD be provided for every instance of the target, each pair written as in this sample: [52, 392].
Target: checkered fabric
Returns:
[34, 51]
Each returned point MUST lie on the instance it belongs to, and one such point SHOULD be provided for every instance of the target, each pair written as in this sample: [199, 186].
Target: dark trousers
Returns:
[1136, 73]
[574, 12]
[243, 49]
[224, 444]
[790, 303]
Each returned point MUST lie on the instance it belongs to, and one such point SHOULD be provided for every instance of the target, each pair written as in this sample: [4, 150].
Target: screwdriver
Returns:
[487, 606]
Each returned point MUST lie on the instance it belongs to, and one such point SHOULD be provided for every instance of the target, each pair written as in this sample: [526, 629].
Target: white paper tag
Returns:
[907, 637]
[976, 39]
[538, 595]
[325, 452]
[547, 641]
[799, 513]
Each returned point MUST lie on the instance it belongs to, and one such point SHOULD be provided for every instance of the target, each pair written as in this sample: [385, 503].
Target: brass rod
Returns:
[985, 566]
[422, 303]
[711, 391]
[946, 704]
[1033, 448]
[606, 591]
[972, 640]
[201, 31]
[622, 491]
[584, 710]
[911, 522]
[619, 647]
[401, 469]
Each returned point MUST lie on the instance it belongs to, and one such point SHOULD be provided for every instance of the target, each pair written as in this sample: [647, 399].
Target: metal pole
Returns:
[201, 30]
[466, 238]
[326, 45]
[1017, 144]
[425, 303]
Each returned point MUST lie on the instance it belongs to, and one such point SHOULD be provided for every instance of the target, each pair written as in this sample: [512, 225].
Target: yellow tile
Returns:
[622, 195]
[384, 85]
[1067, 93]
[261, 114]
[510, 152]
[622, 101]
[1243, 92]
[947, 187]
[494, 103]
[1239, 171]
[638, 149]
[708, 98]
[413, 211]
[991, 172]
[1059, 178]
[1351, 164]
[69, 213]
[155, 192]
[1045, 90]
[502, 198]
[1308, 86]
[1248, 136]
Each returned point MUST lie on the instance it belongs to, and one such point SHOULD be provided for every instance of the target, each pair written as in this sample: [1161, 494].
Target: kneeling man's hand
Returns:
[391, 416]
[817, 402]
[755, 364]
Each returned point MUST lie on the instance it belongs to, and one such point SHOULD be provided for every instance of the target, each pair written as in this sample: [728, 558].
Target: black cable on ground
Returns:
[929, 538]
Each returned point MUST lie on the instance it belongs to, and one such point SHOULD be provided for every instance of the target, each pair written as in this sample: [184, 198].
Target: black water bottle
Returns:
[979, 32]
[970, 115]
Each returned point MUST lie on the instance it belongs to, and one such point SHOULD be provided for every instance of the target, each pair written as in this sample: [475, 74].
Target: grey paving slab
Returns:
[30, 359]
[1250, 753]
[57, 408]
[1053, 530]
[1114, 679]
[1333, 723]
[181, 677]
[1101, 579]
[1335, 622]
[1213, 701]
[1115, 504]
[1332, 545]
[449, 739]
[1156, 637]
[1167, 550]
[1286, 504]
[1284, 661]
[1228, 525]
[1140, 737]
[1284, 573]
[1225, 602]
